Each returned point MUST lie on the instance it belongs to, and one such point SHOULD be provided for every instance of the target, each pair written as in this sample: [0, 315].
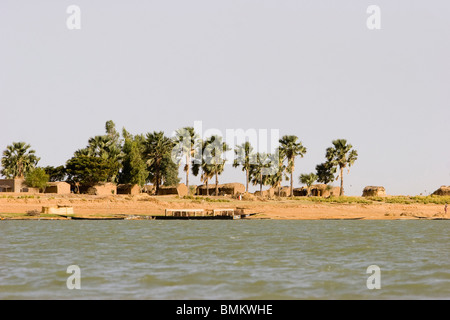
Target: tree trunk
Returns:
[292, 181]
[157, 181]
[260, 184]
[207, 189]
[341, 192]
[217, 184]
[187, 170]
[246, 180]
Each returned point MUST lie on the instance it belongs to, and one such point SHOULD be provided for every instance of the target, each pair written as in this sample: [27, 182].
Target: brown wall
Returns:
[128, 189]
[16, 185]
[180, 190]
[58, 188]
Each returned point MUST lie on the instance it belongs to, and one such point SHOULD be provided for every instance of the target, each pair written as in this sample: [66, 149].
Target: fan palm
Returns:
[278, 169]
[214, 156]
[157, 147]
[261, 169]
[243, 157]
[187, 142]
[198, 163]
[308, 179]
[341, 155]
[289, 149]
[18, 159]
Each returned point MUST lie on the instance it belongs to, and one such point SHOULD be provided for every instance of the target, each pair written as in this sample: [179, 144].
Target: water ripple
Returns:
[224, 259]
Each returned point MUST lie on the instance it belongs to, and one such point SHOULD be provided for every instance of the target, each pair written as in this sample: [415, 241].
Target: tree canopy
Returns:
[290, 148]
[340, 156]
[18, 159]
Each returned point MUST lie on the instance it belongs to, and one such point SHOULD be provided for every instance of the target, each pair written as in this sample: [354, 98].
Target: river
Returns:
[254, 259]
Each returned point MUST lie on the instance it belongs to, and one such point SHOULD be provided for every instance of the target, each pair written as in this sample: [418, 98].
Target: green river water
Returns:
[265, 259]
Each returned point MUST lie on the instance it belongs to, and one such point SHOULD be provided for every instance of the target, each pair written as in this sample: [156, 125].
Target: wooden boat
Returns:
[93, 218]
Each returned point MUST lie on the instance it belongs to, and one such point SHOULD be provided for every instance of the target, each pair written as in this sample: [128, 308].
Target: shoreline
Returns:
[20, 207]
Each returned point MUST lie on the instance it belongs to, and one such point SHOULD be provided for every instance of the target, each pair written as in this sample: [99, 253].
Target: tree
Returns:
[107, 147]
[134, 169]
[37, 178]
[187, 143]
[88, 170]
[157, 148]
[341, 156]
[278, 169]
[260, 170]
[214, 155]
[18, 159]
[200, 164]
[56, 173]
[243, 157]
[169, 172]
[325, 172]
[289, 149]
[308, 179]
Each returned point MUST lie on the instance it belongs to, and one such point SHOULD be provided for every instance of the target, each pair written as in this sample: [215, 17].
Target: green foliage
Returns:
[18, 159]
[169, 172]
[325, 172]
[289, 150]
[263, 169]
[199, 164]
[187, 143]
[214, 157]
[341, 155]
[89, 170]
[158, 150]
[210, 160]
[243, 157]
[106, 147]
[37, 178]
[134, 169]
[200, 199]
[308, 179]
[56, 173]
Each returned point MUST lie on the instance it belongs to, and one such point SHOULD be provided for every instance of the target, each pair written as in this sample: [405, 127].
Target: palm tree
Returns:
[325, 172]
[214, 157]
[289, 149]
[277, 177]
[187, 142]
[198, 163]
[341, 155]
[308, 179]
[107, 147]
[243, 156]
[18, 159]
[157, 147]
[260, 170]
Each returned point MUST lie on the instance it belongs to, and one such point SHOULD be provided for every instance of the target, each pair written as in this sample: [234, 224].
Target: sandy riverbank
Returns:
[19, 206]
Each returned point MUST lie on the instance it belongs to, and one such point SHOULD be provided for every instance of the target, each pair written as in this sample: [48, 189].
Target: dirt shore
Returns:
[27, 207]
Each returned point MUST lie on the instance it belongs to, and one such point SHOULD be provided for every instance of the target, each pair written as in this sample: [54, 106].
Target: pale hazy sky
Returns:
[308, 68]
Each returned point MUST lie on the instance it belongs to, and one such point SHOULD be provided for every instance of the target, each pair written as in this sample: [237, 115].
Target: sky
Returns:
[307, 68]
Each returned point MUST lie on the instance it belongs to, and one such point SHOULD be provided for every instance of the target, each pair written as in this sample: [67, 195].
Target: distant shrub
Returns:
[200, 199]
[37, 178]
